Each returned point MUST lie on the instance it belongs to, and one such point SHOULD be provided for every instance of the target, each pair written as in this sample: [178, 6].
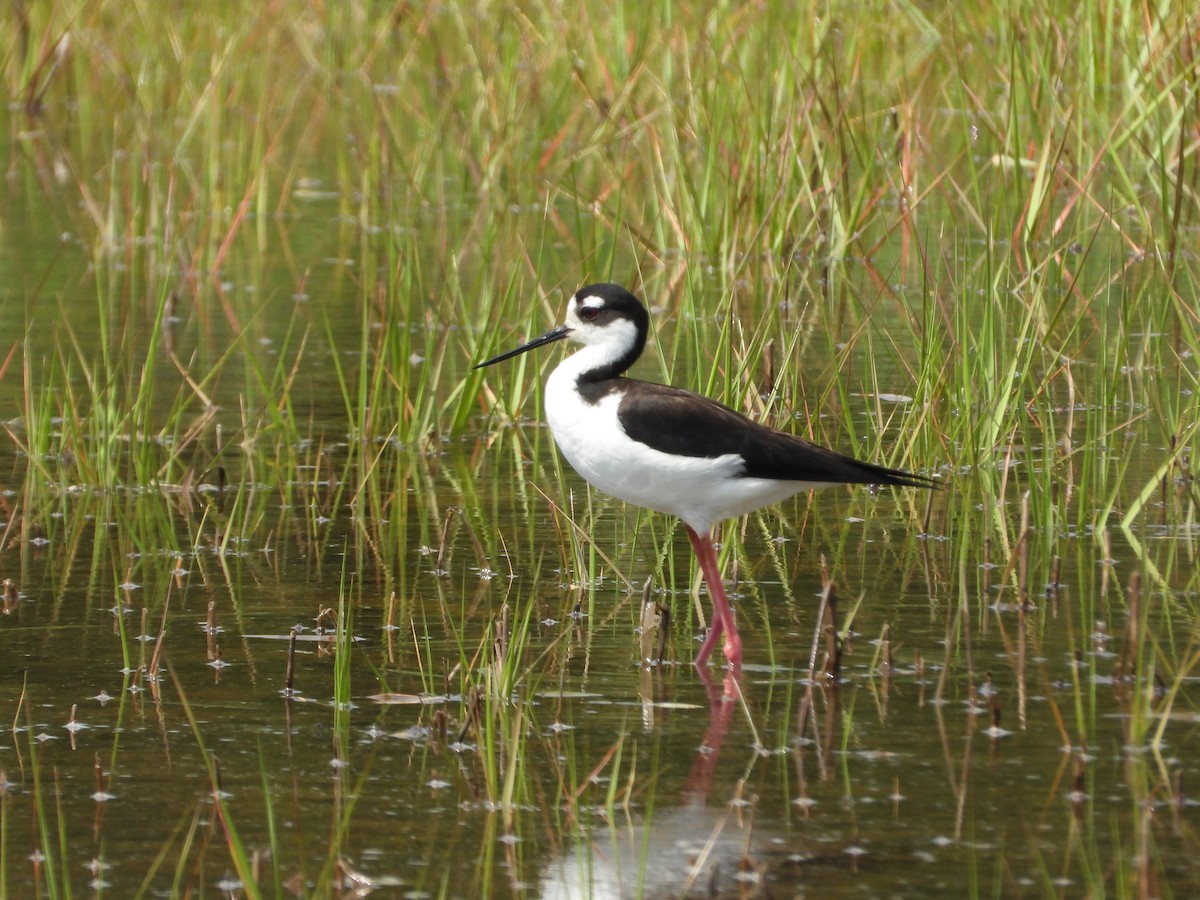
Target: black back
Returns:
[685, 424]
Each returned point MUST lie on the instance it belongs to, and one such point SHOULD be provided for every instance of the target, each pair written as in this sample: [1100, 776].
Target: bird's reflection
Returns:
[700, 847]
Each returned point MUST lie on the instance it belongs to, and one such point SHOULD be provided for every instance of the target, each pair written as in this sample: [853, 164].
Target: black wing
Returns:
[686, 424]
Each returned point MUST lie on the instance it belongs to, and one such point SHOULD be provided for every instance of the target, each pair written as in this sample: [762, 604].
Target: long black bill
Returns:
[555, 334]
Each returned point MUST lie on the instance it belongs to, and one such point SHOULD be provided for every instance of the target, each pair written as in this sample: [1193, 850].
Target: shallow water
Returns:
[1003, 749]
[594, 775]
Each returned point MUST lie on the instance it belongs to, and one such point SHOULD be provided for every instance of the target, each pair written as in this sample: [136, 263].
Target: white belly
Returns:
[698, 490]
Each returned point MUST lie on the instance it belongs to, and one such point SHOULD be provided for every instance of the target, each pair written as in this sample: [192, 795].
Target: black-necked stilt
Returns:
[669, 449]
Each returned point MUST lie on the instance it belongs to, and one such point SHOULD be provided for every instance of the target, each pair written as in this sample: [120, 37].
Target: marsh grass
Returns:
[247, 298]
[238, 854]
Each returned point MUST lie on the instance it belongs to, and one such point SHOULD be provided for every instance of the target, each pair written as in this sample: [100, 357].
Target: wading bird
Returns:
[671, 450]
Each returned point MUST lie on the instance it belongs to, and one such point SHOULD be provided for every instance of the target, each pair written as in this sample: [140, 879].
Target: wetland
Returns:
[297, 603]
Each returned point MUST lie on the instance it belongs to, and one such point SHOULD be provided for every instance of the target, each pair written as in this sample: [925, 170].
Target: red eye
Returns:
[589, 313]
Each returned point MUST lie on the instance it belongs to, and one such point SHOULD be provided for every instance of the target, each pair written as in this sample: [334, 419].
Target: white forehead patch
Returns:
[591, 302]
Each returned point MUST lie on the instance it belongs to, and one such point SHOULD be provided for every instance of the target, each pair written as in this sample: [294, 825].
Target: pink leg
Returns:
[722, 618]
[720, 712]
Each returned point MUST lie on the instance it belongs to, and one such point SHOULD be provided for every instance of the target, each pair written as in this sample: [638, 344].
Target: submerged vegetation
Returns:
[247, 259]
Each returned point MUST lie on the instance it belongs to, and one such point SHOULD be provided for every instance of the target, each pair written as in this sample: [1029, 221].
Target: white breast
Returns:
[698, 490]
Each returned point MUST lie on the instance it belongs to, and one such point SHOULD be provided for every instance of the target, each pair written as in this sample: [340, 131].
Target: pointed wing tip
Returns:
[900, 478]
